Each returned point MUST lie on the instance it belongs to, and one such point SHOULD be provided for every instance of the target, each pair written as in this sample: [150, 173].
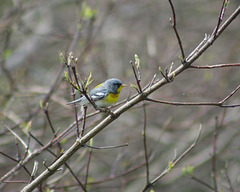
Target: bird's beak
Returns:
[123, 85]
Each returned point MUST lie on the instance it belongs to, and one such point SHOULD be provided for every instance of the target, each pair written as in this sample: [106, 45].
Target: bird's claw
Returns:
[107, 110]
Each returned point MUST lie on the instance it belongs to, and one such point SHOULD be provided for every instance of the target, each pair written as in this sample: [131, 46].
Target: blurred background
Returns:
[104, 36]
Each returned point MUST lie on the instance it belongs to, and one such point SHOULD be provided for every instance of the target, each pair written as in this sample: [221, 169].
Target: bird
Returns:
[104, 94]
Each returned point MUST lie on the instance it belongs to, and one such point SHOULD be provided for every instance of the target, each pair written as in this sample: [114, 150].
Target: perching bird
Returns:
[104, 94]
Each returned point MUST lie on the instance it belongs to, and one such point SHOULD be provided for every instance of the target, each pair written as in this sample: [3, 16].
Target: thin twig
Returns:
[19, 138]
[16, 181]
[75, 177]
[139, 90]
[219, 104]
[228, 179]
[202, 182]
[214, 157]
[88, 165]
[192, 103]
[174, 25]
[34, 171]
[28, 140]
[45, 110]
[166, 75]
[145, 143]
[68, 64]
[216, 66]
[18, 149]
[220, 18]
[152, 81]
[230, 95]
[84, 111]
[106, 147]
[9, 157]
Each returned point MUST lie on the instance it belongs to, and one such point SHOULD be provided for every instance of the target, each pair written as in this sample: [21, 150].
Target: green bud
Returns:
[188, 170]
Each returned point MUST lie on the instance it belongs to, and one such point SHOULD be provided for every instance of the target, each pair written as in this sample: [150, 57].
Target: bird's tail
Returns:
[75, 101]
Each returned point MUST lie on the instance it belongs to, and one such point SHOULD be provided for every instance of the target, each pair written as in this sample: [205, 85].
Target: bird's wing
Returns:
[98, 93]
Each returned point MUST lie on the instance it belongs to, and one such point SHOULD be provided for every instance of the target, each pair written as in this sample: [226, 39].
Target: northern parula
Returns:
[104, 94]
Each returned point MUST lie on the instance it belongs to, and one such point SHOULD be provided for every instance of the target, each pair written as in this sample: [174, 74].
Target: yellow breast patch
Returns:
[112, 98]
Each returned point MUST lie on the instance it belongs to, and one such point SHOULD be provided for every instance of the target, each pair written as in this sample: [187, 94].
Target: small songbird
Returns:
[104, 94]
